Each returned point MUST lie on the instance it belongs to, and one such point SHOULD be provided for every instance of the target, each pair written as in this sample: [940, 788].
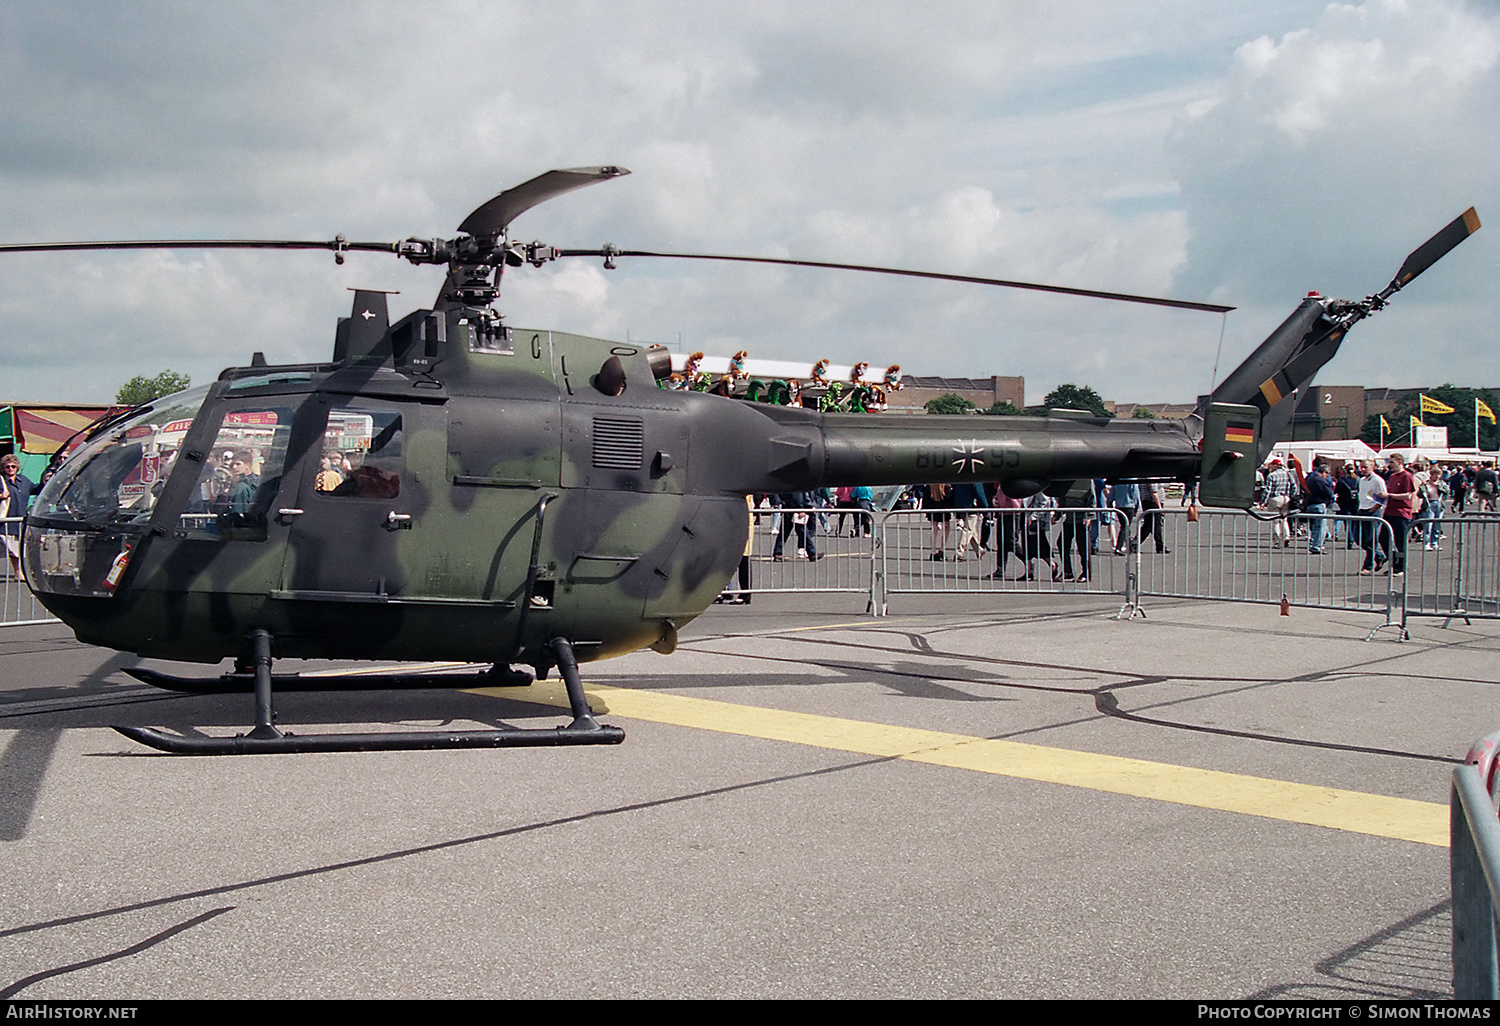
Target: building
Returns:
[917, 390]
[1332, 411]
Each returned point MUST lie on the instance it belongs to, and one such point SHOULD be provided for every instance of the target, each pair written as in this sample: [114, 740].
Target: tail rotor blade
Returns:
[1435, 248]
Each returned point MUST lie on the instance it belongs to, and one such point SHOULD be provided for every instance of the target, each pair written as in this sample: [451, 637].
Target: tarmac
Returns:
[997, 796]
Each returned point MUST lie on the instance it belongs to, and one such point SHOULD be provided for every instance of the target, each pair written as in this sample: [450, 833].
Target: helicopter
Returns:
[524, 497]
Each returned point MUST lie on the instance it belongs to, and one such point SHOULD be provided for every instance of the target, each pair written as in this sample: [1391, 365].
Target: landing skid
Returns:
[239, 683]
[266, 739]
[411, 741]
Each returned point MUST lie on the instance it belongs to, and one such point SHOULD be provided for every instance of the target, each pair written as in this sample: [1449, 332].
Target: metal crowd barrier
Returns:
[998, 550]
[1474, 872]
[1228, 556]
[1457, 578]
[1221, 555]
[842, 540]
[18, 605]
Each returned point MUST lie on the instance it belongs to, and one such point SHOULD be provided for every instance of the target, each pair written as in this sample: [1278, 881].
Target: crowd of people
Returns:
[964, 524]
[1410, 499]
[1060, 537]
[963, 512]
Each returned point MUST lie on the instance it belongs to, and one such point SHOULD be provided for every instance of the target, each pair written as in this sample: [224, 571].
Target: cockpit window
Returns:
[118, 476]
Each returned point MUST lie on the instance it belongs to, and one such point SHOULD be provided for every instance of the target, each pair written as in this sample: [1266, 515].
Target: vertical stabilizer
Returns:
[1230, 436]
[1285, 362]
[365, 334]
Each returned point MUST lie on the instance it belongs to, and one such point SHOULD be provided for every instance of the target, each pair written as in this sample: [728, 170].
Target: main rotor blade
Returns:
[1434, 249]
[337, 245]
[493, 217]
[1123, 297]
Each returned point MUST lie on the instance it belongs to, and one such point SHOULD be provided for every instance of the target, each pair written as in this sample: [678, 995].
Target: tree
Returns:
[950, 402]
[1076, 397]
[1143, 413]
[141, 389]
[1005, 409]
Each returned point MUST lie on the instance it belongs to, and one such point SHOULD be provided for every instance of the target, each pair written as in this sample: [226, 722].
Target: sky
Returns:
[1230, 152]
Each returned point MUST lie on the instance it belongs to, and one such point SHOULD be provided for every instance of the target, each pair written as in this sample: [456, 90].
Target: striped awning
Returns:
[44, 429]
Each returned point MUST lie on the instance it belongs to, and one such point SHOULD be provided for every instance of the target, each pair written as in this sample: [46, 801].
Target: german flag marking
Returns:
[1271, 392]
[1241, 433]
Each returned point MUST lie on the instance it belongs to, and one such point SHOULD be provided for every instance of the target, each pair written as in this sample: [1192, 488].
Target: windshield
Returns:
[117, 476]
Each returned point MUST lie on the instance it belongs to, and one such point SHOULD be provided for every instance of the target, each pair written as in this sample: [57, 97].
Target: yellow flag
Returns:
[1483, 410]
[1385, 424]
[1431, 405]
[1415, 423]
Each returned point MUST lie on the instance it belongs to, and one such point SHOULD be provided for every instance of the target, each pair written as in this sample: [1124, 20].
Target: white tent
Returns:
[1343, 450]
[1414, 453]
[1352, 449]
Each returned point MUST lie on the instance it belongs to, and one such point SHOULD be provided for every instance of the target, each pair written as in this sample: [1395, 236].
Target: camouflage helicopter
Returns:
[524, 497]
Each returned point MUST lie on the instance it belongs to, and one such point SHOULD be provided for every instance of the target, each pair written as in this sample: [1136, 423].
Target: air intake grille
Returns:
[619, 443]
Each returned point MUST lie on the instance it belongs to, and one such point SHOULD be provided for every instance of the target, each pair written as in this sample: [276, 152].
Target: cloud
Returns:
[1245, 155]
[1323, 149]
[1327, 154]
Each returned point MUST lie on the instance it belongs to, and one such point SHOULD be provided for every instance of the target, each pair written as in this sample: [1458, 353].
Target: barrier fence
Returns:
[1448, 568]
[998, 550]
[1474, 872]
[1305, 559]
[17, 604]
[810, 550]
[1453, 569]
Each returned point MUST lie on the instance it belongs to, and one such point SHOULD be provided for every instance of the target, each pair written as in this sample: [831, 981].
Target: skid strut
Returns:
[265, 727]
[265, 738]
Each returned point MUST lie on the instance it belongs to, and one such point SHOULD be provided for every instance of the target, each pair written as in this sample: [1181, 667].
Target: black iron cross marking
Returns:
[968, 459]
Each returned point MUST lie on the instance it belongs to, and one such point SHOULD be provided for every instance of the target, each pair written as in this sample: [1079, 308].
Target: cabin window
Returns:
[362, 455]
[240, 477]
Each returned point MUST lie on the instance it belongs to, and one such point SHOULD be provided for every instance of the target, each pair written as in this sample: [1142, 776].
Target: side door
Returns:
[226, 493]
[357, 526]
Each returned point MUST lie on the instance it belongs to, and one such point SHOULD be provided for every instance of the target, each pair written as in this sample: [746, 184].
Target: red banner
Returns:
[270, 418]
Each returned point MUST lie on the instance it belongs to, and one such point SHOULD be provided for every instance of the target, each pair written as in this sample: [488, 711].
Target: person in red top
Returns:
[1401, 489]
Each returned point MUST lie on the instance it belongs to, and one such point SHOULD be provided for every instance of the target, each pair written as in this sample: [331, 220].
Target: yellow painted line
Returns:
[1353, 811]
